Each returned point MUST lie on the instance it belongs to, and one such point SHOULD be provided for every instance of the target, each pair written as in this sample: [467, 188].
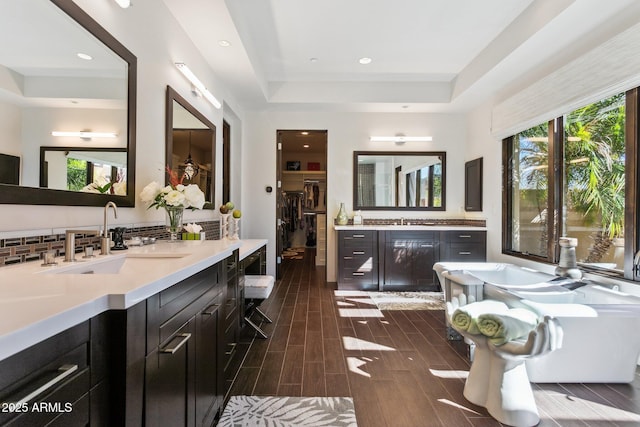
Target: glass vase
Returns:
[174, 221]
[342, 218]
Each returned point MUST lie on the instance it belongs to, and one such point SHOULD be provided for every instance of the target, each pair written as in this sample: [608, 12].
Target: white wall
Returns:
[154, 37]
[346, 133]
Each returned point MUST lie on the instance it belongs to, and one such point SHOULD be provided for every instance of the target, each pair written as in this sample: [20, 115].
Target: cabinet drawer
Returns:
[355, 274]
[363, 253]
[357, 238]
[55, 386]
[472, 252]
[157, 334]
[466, 236]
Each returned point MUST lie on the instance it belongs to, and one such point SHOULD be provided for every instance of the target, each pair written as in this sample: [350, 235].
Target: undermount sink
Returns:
[108, 264]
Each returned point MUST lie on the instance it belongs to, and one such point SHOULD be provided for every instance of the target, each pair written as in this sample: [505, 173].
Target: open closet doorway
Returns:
[302, 198]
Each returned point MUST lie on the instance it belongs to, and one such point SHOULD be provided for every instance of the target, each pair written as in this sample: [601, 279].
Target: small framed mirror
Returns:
[190, 145]
[412, 180]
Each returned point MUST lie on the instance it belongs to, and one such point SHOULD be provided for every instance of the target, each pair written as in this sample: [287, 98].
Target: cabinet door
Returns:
[425, 254]
[209, 392]
[398, 265]
[169, 373]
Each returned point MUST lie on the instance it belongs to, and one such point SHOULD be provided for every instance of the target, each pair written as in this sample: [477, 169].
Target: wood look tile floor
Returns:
[399, 368]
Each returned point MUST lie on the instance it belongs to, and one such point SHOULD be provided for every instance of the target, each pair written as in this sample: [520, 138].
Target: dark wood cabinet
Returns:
[402, 260]
[58, 382]
[183, 365]
[358, 260]
[473, 185]
[408, 261]
[464, 246]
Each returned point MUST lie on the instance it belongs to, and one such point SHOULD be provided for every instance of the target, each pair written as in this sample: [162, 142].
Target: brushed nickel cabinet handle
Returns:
[233, 347]
[426, 245]
[464, 236]
[65, 371]
[357, 273]
[358, 252]
[183, 341]
[358, 236]
[210, 310]
[464, 253]
[347, 257]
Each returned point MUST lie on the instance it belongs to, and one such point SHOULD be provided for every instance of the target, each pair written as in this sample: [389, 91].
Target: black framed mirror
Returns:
[190, 136]
[52, 90]
[397, 180]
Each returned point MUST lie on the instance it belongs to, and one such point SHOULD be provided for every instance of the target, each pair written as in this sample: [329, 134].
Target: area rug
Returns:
[293, 253]
[408, 300]
[271, 411]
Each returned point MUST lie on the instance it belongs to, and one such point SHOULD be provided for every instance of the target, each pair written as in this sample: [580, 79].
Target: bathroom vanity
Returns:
[141, 341]
[401, 257]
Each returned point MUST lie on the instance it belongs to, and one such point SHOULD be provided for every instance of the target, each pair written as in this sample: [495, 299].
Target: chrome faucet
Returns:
[105, 241]
[70, 242]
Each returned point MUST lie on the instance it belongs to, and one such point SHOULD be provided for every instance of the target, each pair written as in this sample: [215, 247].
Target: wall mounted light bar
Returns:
[198, 84]
[86, 135]
[400, 138]
[124, 3]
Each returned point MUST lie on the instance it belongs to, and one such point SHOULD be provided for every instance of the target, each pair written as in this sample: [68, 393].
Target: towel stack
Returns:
[495, 320]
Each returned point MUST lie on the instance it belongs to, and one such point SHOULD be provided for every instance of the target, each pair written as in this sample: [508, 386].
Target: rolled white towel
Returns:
[465, 317]
[506, 326]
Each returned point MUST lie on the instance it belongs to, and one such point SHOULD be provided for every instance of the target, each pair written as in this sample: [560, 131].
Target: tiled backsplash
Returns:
[18, 249]
[422, 221]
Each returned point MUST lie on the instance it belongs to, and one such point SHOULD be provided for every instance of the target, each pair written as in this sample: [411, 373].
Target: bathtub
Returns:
[601, 325]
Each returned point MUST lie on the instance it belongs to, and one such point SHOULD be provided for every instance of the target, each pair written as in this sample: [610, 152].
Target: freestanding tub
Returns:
[601, 326]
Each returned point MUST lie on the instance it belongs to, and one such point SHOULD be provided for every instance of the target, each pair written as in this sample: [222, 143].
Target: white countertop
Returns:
[35, 303]
[410, 227]
[249, 246]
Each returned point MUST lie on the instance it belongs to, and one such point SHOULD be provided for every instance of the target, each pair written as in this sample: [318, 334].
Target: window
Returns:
[568, 177]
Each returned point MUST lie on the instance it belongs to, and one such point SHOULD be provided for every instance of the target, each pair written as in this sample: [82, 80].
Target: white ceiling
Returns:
[427, 55]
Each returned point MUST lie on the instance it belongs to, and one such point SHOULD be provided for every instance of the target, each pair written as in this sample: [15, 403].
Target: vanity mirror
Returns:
[61, 71]
[190, 138]
[388, 180]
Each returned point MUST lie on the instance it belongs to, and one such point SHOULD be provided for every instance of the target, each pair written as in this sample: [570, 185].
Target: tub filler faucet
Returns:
[105, 241]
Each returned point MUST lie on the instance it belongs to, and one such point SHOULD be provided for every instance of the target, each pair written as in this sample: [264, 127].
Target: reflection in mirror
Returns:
[190, 144]
[45, 86]
[399, 180]
[98, 170]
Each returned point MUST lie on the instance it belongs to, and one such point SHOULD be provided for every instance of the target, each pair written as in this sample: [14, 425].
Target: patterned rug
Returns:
[293, 253]
[408, 300]
[271, 411]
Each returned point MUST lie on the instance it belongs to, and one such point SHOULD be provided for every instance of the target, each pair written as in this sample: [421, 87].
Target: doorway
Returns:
[302, 198]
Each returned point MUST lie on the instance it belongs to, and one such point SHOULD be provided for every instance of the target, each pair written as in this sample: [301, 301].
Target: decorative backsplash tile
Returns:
[422, 221]
[15, 250]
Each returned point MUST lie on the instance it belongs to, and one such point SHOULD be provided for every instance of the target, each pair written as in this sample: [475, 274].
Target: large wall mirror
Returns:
[385, 180]
[190, 145]
[60, 71]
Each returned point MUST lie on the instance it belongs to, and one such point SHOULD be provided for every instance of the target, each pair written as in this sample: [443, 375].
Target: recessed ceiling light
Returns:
[306, 145]
[365, 60]
[313, 59]
[224, 43]
[84, 56]
[405, 106]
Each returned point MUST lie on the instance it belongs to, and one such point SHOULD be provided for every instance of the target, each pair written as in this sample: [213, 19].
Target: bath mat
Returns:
[408, 300]
[272, 411]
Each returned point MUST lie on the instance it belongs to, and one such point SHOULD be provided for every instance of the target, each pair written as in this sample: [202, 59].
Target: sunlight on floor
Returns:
[457, 405]
[449, 373]
[354, 364]
[587, 409]
[360, 312]
[352, 343]
[350, 293]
